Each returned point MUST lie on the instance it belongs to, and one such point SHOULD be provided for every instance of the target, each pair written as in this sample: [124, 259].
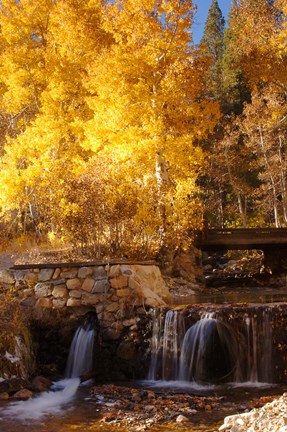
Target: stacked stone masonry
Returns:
[121, 294]
[107, 288]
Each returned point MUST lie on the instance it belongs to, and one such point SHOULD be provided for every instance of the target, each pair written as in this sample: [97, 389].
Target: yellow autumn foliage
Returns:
[259, 42]
[106, 105]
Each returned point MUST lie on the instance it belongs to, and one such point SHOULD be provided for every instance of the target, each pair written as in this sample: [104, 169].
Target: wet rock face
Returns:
[119, 352]
[40, 384]
[279, 335]
[125, 357]
[52, 332]
[11, 386]
[183, 264]
[16, 351]
[23, 394]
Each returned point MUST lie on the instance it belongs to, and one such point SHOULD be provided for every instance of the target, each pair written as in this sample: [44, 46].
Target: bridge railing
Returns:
[240, 237]
[242, 232]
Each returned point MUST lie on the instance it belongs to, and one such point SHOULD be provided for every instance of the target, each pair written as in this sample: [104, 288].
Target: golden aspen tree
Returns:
[254, 25]
[147, 104]
[278, 41]
[255, 140]
[45, 48]
[264, 130]
[112, 86]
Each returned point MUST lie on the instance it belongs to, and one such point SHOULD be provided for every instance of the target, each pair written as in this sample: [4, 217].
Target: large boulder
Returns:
[141, 284]
[16, 355]
[6, 278]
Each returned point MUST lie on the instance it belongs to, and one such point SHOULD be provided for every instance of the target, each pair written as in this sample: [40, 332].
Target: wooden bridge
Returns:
[241, 238]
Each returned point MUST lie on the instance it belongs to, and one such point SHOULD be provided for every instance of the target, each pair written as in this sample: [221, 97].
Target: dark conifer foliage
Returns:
[212, 43]
[235, 90]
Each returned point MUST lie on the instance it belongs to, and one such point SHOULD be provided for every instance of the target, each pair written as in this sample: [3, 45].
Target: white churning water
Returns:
[80, 362]
[46, 403]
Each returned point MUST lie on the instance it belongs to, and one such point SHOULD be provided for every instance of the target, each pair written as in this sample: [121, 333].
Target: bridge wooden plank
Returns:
[241, 238]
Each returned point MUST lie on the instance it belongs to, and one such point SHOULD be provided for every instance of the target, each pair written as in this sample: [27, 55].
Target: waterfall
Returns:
[173, 333]
[155, 346]
[255, 359]
[80, 362]
[209, 351]
[215, 349]
[266, 351]
[167, 338]
[80, 359]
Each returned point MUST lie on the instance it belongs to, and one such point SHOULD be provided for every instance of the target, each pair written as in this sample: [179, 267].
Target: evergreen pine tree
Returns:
[234, 86]
[225, 84]
[212, 43]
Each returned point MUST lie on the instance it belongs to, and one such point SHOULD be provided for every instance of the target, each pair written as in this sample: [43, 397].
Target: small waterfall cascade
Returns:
[216, 348]
[81, 354]
[166, 348]
[80, 362]
[209, 351]
[255, 357]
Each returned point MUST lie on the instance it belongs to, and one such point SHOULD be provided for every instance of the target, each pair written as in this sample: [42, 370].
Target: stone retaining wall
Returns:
[106, 287]
[57, 296]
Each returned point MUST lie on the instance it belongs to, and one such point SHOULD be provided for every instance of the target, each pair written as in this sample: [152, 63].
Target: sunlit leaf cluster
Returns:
[102, 108]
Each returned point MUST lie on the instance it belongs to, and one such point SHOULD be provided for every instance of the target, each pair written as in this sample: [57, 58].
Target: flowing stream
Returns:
[47, 403]
[80, 361]
[211, 351]
[204, 354]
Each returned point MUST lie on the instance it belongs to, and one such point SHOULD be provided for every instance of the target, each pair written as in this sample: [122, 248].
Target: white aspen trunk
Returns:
[35, 221]
[163, 183]
[242, 210]
[52, 224]
[276, 216]
[221, 220]
[25, 222]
